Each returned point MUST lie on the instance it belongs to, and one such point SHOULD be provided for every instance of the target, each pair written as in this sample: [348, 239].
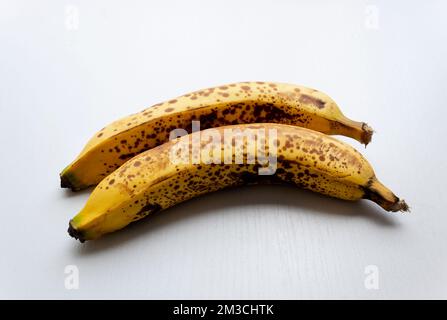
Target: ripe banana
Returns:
[248, 102]
[156, 180]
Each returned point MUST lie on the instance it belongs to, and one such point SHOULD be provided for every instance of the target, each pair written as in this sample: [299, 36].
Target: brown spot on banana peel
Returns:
[304, 98]
[149, 209]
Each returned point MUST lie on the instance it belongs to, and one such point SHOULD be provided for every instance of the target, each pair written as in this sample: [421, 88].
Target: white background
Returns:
[67, 68]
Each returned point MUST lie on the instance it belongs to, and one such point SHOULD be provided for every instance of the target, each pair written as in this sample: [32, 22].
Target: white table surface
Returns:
[70, 67]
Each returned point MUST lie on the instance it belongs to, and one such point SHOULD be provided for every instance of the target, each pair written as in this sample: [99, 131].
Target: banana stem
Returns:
[377, 192]
[357, 130]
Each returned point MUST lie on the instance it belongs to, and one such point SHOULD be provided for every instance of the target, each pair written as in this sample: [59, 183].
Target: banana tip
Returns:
[75, 233]
[65, 182]
[69, 181]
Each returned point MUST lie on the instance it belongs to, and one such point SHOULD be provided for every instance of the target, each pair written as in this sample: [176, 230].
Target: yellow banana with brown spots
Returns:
[239, 103]
[156, 180]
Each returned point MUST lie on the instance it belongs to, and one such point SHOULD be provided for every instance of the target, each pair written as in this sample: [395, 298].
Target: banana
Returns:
[247, 102]
[218, 158]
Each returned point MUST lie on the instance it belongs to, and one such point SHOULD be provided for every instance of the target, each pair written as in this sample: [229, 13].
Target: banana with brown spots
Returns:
[156, 180]
[239, 103]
